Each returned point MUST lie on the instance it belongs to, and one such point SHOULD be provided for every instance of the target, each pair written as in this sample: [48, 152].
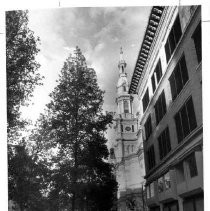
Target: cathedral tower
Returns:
[126, 124]
[125, 152]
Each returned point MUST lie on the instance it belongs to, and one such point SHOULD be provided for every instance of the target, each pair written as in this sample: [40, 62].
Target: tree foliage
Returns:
[25, 174]
[75, 126]
[21, 66]
[26, 178]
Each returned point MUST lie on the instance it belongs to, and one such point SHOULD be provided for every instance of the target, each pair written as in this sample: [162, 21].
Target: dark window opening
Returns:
[158, 71]
[172, 206]
[121, 128]
[167, 50]
[126, 107]
[180, 173]
[153, 83]
[148, 127]
[154, 209]
[185, 120]
[197, 41]
[173, 38]
[164, 143]
[132, 128]
[160, 107]
[151, 157]
[178, 78]
[145, 100]
[194, 203]
[192, 165]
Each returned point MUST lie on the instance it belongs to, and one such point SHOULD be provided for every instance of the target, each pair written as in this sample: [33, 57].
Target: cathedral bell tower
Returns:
[125, 144]
[126, 153]
[126, 124]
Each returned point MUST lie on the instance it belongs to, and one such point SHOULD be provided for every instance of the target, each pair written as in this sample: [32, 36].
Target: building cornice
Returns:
[153, 23]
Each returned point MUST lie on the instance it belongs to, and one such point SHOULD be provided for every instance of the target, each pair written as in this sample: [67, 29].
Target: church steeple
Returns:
[122, 64]
[126, 123]
[124, 101]
[123, 152]
[121, 54]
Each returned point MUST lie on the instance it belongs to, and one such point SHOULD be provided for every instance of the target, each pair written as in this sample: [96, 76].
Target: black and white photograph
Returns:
[104, 108]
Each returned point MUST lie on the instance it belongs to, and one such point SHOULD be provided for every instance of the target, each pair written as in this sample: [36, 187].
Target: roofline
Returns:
[149, 35]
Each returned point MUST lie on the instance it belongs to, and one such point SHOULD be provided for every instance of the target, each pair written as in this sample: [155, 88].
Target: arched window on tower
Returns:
[128, 149]
[132, 128]
[126, 108]
[132, 148]
[124, 88]
[122, 69]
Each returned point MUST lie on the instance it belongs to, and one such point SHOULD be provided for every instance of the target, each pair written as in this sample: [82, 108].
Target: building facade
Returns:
[168, 81]
[127, 150]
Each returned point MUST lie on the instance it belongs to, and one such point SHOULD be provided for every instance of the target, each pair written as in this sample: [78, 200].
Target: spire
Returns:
[122, 63]
[121, 54]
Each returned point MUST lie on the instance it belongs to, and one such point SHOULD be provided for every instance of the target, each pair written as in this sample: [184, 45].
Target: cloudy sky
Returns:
[99, 33]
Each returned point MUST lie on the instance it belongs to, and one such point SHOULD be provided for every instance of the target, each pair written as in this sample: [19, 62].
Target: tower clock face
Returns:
[127, 128]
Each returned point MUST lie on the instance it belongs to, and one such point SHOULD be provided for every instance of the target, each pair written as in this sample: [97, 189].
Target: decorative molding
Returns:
[149, 35]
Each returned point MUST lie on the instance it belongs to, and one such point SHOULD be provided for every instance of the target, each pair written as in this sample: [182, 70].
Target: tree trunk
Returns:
[73, 202]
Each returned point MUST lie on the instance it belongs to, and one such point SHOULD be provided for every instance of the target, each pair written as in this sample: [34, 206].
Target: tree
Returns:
[75, 126]
[21, 66]
[26, 179]
[24, 173]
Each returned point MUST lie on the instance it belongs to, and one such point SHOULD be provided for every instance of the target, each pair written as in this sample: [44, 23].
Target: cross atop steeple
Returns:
[121, 54]
[122, 63]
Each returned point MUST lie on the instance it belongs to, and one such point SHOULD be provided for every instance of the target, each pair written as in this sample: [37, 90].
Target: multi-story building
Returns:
[127, 151]
[168, 80]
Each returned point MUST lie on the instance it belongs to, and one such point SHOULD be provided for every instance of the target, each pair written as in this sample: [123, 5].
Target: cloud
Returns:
[99, 32]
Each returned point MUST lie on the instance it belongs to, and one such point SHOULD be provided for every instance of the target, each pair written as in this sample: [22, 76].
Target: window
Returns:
[128, 149]
[178, 78]
[132, 128]
[185, 120]
[180, 173]
[153, 82]
[164, 182]
[158, 74]
[172, 206]
[160, 185]
[197, 40]
[145, 100]
[173, 38]
[151, 157]
[148, 127]
[158, 71]
[150, 190]
[126, 109]
[191, 162]
[164, 143]
[167, 181]
[124, 88]
[132, 148]
[154, 209]
[160, 107]
[194, 203]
